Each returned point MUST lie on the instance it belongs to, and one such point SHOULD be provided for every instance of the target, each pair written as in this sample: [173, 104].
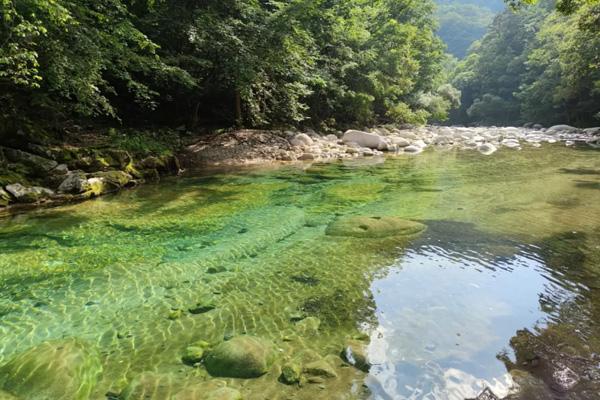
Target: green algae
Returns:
[119, 271]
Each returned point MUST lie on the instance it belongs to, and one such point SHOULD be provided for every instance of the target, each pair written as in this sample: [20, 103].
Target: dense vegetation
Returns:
[540, 64]
[462, 22]
[250, 62]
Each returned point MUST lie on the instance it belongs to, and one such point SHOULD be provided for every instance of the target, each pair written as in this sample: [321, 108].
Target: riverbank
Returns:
[47, 175]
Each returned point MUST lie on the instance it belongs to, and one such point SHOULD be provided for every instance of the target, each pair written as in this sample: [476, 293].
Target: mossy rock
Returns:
[151, 386]
[54, 370]
[320, 368]
[4, 198]
[291, 373]
[212, 390]
[373, 227]
[194, 353]
[240, 357]
[117, 179]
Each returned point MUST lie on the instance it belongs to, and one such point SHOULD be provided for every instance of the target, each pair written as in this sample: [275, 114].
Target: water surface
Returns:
[512, 243]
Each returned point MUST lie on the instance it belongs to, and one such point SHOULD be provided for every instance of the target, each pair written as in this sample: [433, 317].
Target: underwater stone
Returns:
[373, 227]
[150, 386]
[175, 314]
[240, 357]
[308, 326]
[355, 354]
[208, 391]
[320, 368]
[195, 352]
[290, 374]
[54, 370]
[203, 307]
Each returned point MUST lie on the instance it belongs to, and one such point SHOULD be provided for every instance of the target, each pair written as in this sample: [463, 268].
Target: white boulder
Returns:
[364, 139]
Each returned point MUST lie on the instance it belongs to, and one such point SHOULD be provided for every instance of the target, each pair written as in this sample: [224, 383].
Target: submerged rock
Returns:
[194, 353]
[320, 368]
[355, 353]
[487, 149]
[291, 373]
[55, 370]
[150, 386]
[240, 357]
[373, 227]
[208, 391]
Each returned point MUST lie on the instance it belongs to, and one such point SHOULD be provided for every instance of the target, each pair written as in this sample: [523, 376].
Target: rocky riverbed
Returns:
[45, 175]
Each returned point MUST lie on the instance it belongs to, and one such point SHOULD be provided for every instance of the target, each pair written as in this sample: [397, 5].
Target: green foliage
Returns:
[536, 65]
[250, 62]
[461, 23]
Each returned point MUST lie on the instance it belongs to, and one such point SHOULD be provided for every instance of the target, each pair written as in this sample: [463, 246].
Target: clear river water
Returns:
[511, 250]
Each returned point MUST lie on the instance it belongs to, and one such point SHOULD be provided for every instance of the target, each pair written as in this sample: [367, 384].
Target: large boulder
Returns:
[24, 194]
[302, 139]
[114, 179]
[55, 370]
[39, 165]
[151, 386]
[373, 227]
[240, 357]
[561, 129]
[75, 183]
[365, 139]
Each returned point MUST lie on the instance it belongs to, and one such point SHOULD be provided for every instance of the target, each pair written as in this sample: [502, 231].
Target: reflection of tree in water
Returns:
[560, 359]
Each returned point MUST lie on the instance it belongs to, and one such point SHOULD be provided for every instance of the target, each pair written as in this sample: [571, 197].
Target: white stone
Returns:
[413, 149]
[561, 129]
[364, 139]
[301, 139]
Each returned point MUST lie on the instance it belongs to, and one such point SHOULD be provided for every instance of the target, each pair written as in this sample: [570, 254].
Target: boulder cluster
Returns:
[413, 140]
[43, 175]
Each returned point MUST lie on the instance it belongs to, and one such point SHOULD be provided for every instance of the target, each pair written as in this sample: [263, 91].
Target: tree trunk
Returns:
[238, 108]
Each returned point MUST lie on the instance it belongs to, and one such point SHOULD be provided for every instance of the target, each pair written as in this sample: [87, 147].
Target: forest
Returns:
[294, 63]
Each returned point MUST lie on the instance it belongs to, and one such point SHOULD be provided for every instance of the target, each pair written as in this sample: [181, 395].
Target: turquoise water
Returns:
[512, 243]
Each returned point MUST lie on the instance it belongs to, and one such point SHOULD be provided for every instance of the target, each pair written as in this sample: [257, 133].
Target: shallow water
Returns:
[512, 243]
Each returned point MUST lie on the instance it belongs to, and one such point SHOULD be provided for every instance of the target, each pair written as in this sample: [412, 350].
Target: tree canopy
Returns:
[245, 62]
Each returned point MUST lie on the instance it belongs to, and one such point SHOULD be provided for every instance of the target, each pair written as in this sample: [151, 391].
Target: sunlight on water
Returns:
[512, 242]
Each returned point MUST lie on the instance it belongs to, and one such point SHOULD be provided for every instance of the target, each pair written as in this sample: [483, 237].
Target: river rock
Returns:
[511, 143]
[413, 149]
[24, 194]
[561, 129]
[400, 141]
[364, 139]
[4, 198]
[150, 386]
[240, 357]
[355, 353]
[115, 179]
[302, 139]
[373, 227]
[487, 149]
[39, 165]
[291, 373]
[75, 183]
[55, 370]
[193, 354]
[307, 157]
[320, 368]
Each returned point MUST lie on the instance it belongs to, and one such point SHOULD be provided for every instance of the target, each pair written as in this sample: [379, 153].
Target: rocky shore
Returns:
[50, 175]
[251, 147]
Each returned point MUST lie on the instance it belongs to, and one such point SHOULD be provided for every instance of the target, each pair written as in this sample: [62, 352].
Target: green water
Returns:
[513, 242]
